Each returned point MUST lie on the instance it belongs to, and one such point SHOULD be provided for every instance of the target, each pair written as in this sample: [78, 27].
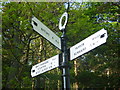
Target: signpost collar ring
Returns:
[61, 27]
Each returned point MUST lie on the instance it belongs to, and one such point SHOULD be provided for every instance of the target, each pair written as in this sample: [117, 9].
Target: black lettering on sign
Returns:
[39, 68]
[37, 72]
[45, 68]
[94, 43]
[36, 66]
[44, 63]
[52, 37]
[80, 51]
[56, 41]
[50, 67]
[45, 31]
[53, 59]
[95, 37]
[80, 46]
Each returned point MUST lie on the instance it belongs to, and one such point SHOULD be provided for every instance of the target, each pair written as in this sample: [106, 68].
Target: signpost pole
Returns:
[65, 63]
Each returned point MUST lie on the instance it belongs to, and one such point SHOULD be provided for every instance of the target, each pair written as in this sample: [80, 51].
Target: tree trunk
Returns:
[75, 85]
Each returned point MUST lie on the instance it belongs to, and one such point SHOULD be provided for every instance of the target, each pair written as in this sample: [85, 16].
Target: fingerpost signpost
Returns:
[61, 60]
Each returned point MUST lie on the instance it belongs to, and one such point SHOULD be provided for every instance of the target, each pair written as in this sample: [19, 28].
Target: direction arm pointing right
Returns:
[88, 44]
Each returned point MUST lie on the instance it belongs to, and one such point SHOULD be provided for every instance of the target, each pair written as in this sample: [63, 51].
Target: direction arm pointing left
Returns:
[46, 32]
[45, 66]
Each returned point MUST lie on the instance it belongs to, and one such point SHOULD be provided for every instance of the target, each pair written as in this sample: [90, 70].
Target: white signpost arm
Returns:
[45, 66]
[46, 32]
[88, 44]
